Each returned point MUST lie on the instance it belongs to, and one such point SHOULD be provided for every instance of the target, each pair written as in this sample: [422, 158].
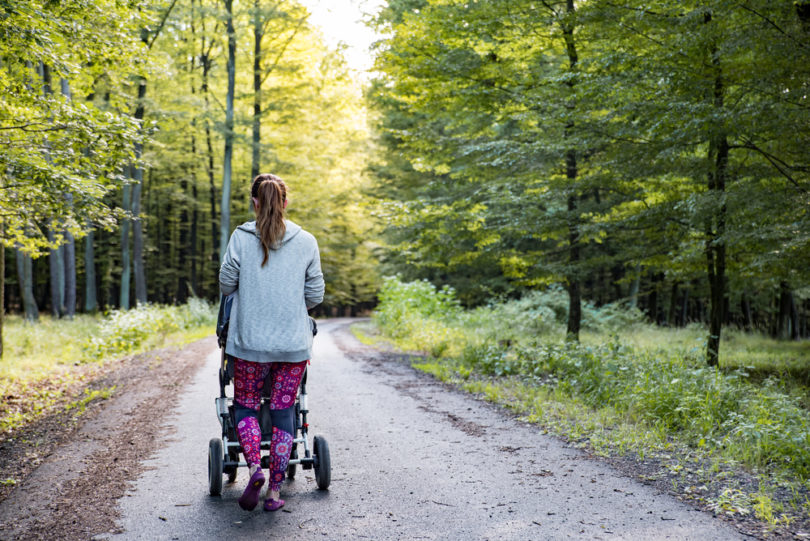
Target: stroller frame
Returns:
[223, 453]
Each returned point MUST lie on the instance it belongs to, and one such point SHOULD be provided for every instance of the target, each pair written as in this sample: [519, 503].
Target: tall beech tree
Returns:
[227, 174]
[498, 87]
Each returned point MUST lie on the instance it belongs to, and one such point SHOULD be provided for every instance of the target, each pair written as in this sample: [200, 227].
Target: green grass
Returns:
[47, 364]
[80, 405]
[34, 350]
[752, 351]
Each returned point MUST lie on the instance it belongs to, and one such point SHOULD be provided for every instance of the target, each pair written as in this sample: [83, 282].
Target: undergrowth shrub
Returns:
[419, 315]
[198, 312]
[543, 313]
[402, 302]
[759, 425]
[125, 331]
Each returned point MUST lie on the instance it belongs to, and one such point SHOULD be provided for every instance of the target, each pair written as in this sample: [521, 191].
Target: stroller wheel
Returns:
[233, 456]
[323, 466]
[291, 467]
[215, 456]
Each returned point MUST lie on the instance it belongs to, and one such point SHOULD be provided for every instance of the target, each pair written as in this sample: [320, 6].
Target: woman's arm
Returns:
[314, 285]
[229, 270]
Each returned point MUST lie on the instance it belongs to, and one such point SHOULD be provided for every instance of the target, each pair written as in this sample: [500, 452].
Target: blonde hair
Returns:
[269, 194]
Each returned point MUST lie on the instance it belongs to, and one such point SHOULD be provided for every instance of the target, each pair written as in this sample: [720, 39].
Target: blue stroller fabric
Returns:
[224, 318]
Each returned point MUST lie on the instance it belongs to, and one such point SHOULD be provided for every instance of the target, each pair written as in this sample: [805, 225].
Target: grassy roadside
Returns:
[48, 364]
[736, 440]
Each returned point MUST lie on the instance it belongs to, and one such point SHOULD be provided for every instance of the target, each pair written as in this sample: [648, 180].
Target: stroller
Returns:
[223, 453]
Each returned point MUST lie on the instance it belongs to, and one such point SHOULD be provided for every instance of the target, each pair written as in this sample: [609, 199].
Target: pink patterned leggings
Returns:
[249, 380]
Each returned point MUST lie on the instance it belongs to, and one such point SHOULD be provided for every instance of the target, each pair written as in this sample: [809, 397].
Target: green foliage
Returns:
[400, 302]
[80, 405]
[406, 308]
[126, 331]
[312, 135]
[482, 103]
[544, 313]
[33, 349]
[62, 152]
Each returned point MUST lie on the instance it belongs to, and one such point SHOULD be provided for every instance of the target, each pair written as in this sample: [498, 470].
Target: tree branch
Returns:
[214, 97]
[160, 26]
[777, 163]
[24, 127]
[270, 18]
[776, 26]
[283, 49]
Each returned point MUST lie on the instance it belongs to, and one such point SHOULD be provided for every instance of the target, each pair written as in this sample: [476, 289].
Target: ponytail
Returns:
[269, 194]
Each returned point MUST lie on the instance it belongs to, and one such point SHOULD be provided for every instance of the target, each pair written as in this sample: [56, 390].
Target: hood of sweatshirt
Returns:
[291, 231]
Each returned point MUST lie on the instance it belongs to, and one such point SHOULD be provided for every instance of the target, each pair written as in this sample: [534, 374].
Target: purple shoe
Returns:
[250, 497]
[273, 505]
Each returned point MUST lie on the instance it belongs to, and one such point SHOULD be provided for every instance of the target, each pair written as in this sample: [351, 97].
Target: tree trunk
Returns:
[673, 304]
[195, 286]
[90, 297]
[716, 223]
[148, 38]
[683, 318]
[195, 280]
[215, 241]
[166, 245]
[786, 322]
[55, 260]
[2, 287]
[573, 279]
[653, 298]
[69, 248]
[137, 240]
[716, 262]
[137, 226]
[573, 282]
[69, 253]
[181, 290]
[56, 264]
[205, 59]
[634, 288]
[794, 319]
[745, 308]
[123, 302]
[25, 277]
[225, 207]
[257, 91]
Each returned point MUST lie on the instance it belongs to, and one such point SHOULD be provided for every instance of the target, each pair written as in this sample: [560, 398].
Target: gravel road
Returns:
[411, 459]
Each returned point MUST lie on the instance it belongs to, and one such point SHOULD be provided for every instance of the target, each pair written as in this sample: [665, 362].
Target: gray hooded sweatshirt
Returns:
[269, 321]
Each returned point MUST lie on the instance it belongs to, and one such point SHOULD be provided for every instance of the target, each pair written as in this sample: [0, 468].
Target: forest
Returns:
[645, 155]
[593, 213]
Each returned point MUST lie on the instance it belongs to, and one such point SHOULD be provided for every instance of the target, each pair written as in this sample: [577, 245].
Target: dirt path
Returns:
[411, 458]
[78, 471]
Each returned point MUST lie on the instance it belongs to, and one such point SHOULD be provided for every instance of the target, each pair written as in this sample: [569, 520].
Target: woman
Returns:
[274, 267]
